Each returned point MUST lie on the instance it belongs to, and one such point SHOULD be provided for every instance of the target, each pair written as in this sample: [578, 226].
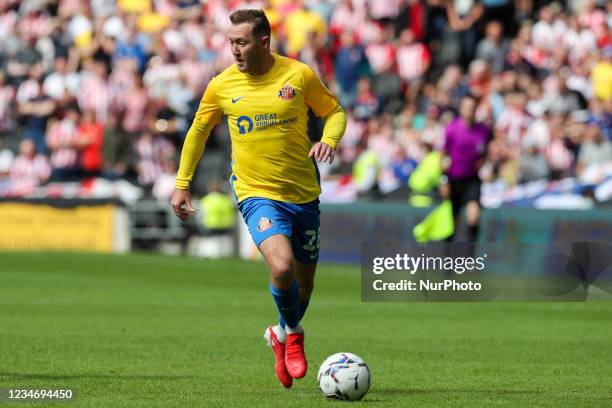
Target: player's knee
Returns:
[280, 270]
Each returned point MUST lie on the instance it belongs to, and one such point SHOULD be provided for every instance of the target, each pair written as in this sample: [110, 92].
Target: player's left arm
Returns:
[325, 105]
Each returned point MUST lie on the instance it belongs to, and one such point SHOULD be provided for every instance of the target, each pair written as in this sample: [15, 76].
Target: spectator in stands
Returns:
[26, 56]
[560, 159]
[462, 18]
[479, 78]
[602, 75]
[601, 117]
[131, 49]
[566, 100]
[494, 47]
[152, 151]
[116, 149]
[135, 101]
[63, 141]
[7, 107]
[381, 54]
[413, 60]
[141, 65]
[35, 108]
[300, 22]
[350, 65]
[30, 169]
[94, 90]
[6, 160]
[90, 134]
[514, 120]
[60, 83]
[347, 16]
[594, 150]
[533, 165]
[366, 102]
[163, 187]
[503, 11]
[402, 165]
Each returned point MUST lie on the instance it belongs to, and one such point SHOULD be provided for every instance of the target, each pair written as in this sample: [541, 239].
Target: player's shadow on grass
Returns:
[30, 376]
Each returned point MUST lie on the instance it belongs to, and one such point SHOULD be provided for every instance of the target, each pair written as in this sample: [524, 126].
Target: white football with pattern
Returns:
[344, 376]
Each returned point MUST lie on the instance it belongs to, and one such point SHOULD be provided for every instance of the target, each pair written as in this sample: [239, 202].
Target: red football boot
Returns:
[279, 354]
[295, 360]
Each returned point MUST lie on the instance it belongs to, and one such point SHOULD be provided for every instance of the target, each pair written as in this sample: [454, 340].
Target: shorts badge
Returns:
[264, 224]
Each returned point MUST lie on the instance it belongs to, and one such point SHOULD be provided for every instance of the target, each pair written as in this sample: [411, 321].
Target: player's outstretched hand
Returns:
[321, 152]
[181, 203]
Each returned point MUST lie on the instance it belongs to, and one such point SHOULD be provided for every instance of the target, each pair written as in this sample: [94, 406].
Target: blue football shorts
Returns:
[299, 222]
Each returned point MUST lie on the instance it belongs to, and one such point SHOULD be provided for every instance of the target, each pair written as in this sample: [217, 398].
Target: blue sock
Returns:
[303, 307]
[287, 302]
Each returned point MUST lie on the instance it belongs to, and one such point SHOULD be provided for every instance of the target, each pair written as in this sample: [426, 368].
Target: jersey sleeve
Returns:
[209, 110]
[325, 105]
[317, 96]
[208, 115]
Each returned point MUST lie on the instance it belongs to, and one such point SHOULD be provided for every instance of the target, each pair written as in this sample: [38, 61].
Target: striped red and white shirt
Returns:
[535, 56]
[368, 31]
[28, 90]
[94, 95]
[593, 20]
[345, 18]
[61, 138]
[35, 25]
[380, 9]
[120, 85]
[558, 156]
[196, 73]
[381, 57]
[412, 61]
[8, 21]
[151, 153]
[135, 108]
[69, 7]
[35, 169]
[513, 123]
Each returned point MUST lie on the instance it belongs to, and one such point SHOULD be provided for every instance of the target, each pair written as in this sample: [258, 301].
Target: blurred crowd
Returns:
[108, 88]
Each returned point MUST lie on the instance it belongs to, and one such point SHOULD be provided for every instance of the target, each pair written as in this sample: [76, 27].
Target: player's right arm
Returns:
[325, 105]
[207, 116]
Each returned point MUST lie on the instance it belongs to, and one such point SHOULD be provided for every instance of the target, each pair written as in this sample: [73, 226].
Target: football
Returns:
[344, 376]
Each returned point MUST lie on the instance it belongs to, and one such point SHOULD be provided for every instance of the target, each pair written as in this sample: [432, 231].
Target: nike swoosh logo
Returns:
[237, 99]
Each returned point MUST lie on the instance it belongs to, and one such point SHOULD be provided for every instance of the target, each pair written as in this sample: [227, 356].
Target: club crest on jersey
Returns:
[286, 93]
[264, 224]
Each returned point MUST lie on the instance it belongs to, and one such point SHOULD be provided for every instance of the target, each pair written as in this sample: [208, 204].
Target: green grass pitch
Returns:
[154, 331]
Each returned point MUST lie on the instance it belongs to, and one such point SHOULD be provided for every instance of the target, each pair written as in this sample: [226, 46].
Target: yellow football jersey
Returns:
[268, 118]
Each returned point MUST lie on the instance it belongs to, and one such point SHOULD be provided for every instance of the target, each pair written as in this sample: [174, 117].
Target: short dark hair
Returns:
[261, 25]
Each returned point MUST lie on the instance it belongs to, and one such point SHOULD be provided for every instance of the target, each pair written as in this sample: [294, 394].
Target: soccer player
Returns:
[274, 178]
